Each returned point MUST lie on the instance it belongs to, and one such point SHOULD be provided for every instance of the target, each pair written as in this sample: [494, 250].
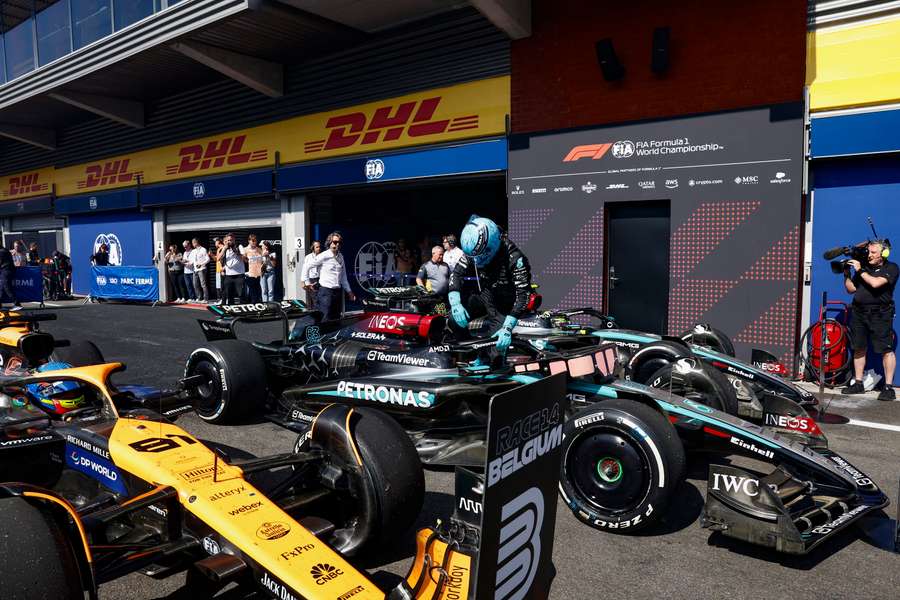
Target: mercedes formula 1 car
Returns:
[96, 484]
[624, 444]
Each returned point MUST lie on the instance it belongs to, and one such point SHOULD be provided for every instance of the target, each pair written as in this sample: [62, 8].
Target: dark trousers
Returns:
[189, 284]
[328, 300]
[232, 288]
[178, 288]
[6, 279]
[253, 289]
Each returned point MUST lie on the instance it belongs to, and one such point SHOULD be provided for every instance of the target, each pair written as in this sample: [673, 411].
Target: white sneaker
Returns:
[16, 307]
[177, 300]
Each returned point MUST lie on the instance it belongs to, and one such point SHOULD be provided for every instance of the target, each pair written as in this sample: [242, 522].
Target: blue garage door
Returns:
[128, 234]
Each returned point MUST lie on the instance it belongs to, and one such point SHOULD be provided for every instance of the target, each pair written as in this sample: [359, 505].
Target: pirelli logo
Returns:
[108, 173]
[228, 151]
[21, 185]
[387, 124]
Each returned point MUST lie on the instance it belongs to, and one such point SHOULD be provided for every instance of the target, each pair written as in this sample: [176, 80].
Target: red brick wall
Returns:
[722, 55]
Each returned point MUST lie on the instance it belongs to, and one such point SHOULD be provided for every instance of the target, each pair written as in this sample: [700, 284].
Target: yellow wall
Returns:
[854, 66]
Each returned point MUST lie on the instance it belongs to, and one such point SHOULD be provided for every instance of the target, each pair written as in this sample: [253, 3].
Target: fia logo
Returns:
[374, 169]
[92, 202]
[199, 190]
[520, 544]
[623, 149]
[114, 246]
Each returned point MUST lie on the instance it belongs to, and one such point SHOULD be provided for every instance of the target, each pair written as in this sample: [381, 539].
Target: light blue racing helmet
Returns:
[480, 239]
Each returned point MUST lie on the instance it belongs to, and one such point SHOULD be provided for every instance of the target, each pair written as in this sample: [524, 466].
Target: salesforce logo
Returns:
[116, 250]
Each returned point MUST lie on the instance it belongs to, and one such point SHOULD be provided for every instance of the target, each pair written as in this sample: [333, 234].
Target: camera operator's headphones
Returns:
[885, 246]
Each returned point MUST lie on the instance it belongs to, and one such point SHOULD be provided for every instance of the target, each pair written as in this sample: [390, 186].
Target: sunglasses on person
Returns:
[335, 242]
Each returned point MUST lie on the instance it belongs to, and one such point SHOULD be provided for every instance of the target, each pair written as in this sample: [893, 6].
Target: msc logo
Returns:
[520, 544]
[108, 173]
[592, 151]
[216, 154]
[412, 118]
[23, 184]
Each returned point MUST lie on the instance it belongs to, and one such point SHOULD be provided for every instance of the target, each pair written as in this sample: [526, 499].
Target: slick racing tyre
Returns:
[709, 337]
[79, 353]
[655, 355]
[391, 468]
[235, 376]
[622, 463]
[39, 559]
[696, 381]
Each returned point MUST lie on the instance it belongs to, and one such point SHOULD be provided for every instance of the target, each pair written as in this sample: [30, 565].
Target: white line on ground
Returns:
[872, 425]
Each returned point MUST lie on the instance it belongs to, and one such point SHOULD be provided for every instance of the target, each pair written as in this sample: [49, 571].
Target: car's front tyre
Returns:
[235, 380]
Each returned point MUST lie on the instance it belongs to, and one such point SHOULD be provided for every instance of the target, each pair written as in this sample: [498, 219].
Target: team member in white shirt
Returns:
[229, 255]
[187, 259]
[452, 252]
[332, 278]
[309, 273]
[200, 259]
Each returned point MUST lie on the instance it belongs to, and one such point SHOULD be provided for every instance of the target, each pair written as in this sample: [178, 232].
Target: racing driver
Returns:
[504, 281]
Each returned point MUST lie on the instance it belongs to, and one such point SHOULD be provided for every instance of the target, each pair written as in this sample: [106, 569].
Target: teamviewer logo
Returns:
[520, 545]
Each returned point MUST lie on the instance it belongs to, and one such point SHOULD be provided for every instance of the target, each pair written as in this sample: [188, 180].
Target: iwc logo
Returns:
[623, 149]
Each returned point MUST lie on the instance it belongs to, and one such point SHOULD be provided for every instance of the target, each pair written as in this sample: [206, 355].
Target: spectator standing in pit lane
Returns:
[7, 272]
[33, 257]
[101, 257]
[233, 270]
[254, 256]
[332, 278]
[200, 258]
[188, 262]
[217, 243]
[434, 275]
[19, 257]
[269, 264]
[309, 273]
[452, 252]
[175, 269]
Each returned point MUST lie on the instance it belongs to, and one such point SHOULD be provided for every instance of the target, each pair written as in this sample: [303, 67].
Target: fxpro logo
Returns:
[218, 153]
[114, 247]
[108, 173]
[412, 119]
[519, 550]
[23, 184]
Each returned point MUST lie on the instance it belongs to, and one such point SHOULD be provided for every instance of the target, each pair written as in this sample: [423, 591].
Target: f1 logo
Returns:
[520, 544]
[592, 151]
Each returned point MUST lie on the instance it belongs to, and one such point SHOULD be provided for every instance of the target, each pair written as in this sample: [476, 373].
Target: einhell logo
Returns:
[108, 173]
[215, 154]
[23, 184]
[413, 118]
[592, 151]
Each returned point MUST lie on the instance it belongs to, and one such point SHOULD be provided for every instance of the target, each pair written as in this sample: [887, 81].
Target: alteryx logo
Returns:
[95, 467]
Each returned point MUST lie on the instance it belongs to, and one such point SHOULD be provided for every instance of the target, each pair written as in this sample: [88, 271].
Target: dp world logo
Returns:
[374, 169]
[199, 190]
[374, 264]
[116, 250]
[623, 149]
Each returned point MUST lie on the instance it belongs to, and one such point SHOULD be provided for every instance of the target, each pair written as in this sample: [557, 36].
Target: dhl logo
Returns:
[414, 118]
[23, 184]
[109, 173]
[215, 154]
[593, 151]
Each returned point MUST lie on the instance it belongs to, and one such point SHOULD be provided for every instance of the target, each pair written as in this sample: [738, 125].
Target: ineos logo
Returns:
[520, 545]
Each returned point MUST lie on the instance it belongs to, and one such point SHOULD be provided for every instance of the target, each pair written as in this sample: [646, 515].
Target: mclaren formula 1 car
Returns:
[23, 346]
[624, 444]
[104, 486]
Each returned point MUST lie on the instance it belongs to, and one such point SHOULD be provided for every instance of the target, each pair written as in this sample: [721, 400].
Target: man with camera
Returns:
[872, 314]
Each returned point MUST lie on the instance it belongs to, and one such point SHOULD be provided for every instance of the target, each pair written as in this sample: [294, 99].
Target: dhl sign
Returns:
[458, 112]
[25, 185]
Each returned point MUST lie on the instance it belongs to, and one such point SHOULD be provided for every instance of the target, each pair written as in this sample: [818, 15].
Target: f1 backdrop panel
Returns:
[846, 192]
[734, 183]
[129, 236]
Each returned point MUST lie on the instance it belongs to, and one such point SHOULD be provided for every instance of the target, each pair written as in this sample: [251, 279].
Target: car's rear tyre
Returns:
[652, 357]
[710, 337]
[235, 376]
[696, 381]
[622, 462]
[79, 353]
[40, 562]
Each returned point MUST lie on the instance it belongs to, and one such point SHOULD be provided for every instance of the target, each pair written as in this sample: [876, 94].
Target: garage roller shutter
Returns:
[37, 222]
[252, 212]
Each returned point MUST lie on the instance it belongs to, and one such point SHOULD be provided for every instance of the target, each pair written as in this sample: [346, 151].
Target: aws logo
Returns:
[108, 173]
[215, 154]
[23, 184]
[388, 123]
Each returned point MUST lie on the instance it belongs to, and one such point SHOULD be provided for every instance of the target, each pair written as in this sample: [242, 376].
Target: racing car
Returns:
[95, 484]
[24, 346]
[624, 443]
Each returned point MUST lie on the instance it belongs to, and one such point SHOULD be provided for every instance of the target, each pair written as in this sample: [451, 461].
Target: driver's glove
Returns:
[504, 334]
[458, 311]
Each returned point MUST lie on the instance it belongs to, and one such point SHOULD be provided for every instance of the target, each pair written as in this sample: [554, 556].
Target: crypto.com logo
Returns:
[412, 118]
[520, 544]
[215, 154]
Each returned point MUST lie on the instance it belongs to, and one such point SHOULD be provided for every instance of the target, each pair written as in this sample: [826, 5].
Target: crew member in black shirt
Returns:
[872, 315]
[101, 258]
[7, 272]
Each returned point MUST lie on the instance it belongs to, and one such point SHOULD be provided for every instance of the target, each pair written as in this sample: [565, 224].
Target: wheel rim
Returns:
[608, 470]
[209, 394]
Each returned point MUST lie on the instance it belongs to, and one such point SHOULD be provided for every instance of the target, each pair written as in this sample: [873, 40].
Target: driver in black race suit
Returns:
[504, 281]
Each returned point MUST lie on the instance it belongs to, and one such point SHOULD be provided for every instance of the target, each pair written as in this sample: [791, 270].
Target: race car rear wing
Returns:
[230, 315]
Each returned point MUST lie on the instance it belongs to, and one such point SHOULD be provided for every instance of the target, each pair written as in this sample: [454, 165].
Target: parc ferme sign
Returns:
[468, 110]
